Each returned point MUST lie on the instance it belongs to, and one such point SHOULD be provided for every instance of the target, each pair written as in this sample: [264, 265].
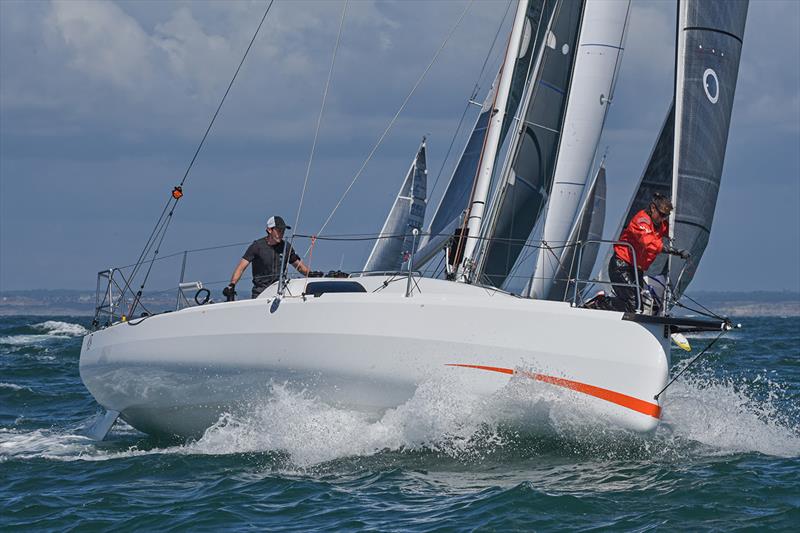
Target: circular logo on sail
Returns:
[711, 85]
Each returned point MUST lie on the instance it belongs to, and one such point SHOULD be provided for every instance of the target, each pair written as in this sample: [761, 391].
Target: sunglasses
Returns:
[660, 212]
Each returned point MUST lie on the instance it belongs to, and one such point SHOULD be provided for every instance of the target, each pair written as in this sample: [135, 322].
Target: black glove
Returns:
[683, 254]
[229, 292]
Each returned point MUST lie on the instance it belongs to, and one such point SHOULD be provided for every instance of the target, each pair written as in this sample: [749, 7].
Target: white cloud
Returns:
[105, 42]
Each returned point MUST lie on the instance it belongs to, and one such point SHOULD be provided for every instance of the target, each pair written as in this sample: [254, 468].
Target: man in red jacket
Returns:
[644, 233]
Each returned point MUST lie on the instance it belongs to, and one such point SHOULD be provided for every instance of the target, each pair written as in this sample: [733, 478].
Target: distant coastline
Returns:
[66, 302]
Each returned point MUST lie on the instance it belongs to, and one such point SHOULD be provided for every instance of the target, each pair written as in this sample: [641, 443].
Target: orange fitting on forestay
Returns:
[629, 402]
[177, 192]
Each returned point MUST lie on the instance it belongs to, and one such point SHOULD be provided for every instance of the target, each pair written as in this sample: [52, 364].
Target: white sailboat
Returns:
[367, 343]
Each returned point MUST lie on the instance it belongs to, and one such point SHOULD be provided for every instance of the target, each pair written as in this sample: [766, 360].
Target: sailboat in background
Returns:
[367, 343]
[396, 241]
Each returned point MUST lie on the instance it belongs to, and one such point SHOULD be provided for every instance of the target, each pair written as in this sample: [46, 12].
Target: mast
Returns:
[678, 79]
[477, 203]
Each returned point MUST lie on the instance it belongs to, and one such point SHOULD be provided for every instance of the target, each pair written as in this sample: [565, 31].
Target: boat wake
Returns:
[704, 417]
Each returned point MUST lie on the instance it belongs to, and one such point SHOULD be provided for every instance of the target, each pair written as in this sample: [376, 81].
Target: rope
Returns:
[394, 118]
[475, 91]
[695, 358]
[319, 117]
[708, 312]
[160, 230]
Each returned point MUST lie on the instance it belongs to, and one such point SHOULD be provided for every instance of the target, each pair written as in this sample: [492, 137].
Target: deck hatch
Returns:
[318, 288]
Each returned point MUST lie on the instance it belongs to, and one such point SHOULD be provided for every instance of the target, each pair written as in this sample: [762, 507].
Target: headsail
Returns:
[599, 55]
[395, 242]
[527, 177]
[687, 160]
[709, 49]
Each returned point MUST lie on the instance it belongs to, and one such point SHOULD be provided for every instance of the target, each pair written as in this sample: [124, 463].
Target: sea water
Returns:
[727, 455]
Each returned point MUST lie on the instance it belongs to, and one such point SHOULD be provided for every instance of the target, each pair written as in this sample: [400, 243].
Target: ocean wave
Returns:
[43, 333]
[15, 387]
[24, 340]
[67, 329]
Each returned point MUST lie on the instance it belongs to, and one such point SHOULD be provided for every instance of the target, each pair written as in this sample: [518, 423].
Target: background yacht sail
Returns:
[456, 195]
[599, 54]
[407, 213]
[527, 181]
[587, 227]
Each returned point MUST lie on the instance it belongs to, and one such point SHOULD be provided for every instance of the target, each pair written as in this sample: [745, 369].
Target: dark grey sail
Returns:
[687, 161]
[657, 178]
[457, 194]
[396, 243]
[588, 228]
[709, 49]
[521, 194]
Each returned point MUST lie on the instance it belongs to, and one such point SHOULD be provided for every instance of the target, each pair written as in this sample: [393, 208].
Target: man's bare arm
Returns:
[237, 273]
[301, 267]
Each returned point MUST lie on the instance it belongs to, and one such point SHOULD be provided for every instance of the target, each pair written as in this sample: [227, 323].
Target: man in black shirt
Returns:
[265, 255]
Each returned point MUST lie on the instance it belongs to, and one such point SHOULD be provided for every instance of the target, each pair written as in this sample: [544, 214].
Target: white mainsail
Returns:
[599, 54]
[395, 242]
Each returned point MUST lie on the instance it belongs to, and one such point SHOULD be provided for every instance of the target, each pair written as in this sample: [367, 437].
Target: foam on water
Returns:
[703, 416]
[51, 330]
[728, 417]
[67, 329]
[438, 418]
[14, 386]
[24, 340]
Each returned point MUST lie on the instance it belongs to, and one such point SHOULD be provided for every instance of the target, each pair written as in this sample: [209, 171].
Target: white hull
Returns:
[176, 373]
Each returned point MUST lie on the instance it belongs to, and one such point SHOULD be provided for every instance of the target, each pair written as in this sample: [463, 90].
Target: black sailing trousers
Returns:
[620, 271]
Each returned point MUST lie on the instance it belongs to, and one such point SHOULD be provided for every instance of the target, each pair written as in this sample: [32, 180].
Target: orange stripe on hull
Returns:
[635, 404]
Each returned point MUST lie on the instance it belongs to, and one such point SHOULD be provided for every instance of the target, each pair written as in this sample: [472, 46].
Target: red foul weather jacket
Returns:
[645, 238]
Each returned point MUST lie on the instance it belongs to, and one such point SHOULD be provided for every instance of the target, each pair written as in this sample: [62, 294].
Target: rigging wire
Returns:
[154, 240]
[394, 118]
[690, 363]
[475, 90]
[319, 117]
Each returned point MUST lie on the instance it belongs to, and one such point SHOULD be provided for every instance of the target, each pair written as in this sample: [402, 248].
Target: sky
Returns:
[102, 105]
